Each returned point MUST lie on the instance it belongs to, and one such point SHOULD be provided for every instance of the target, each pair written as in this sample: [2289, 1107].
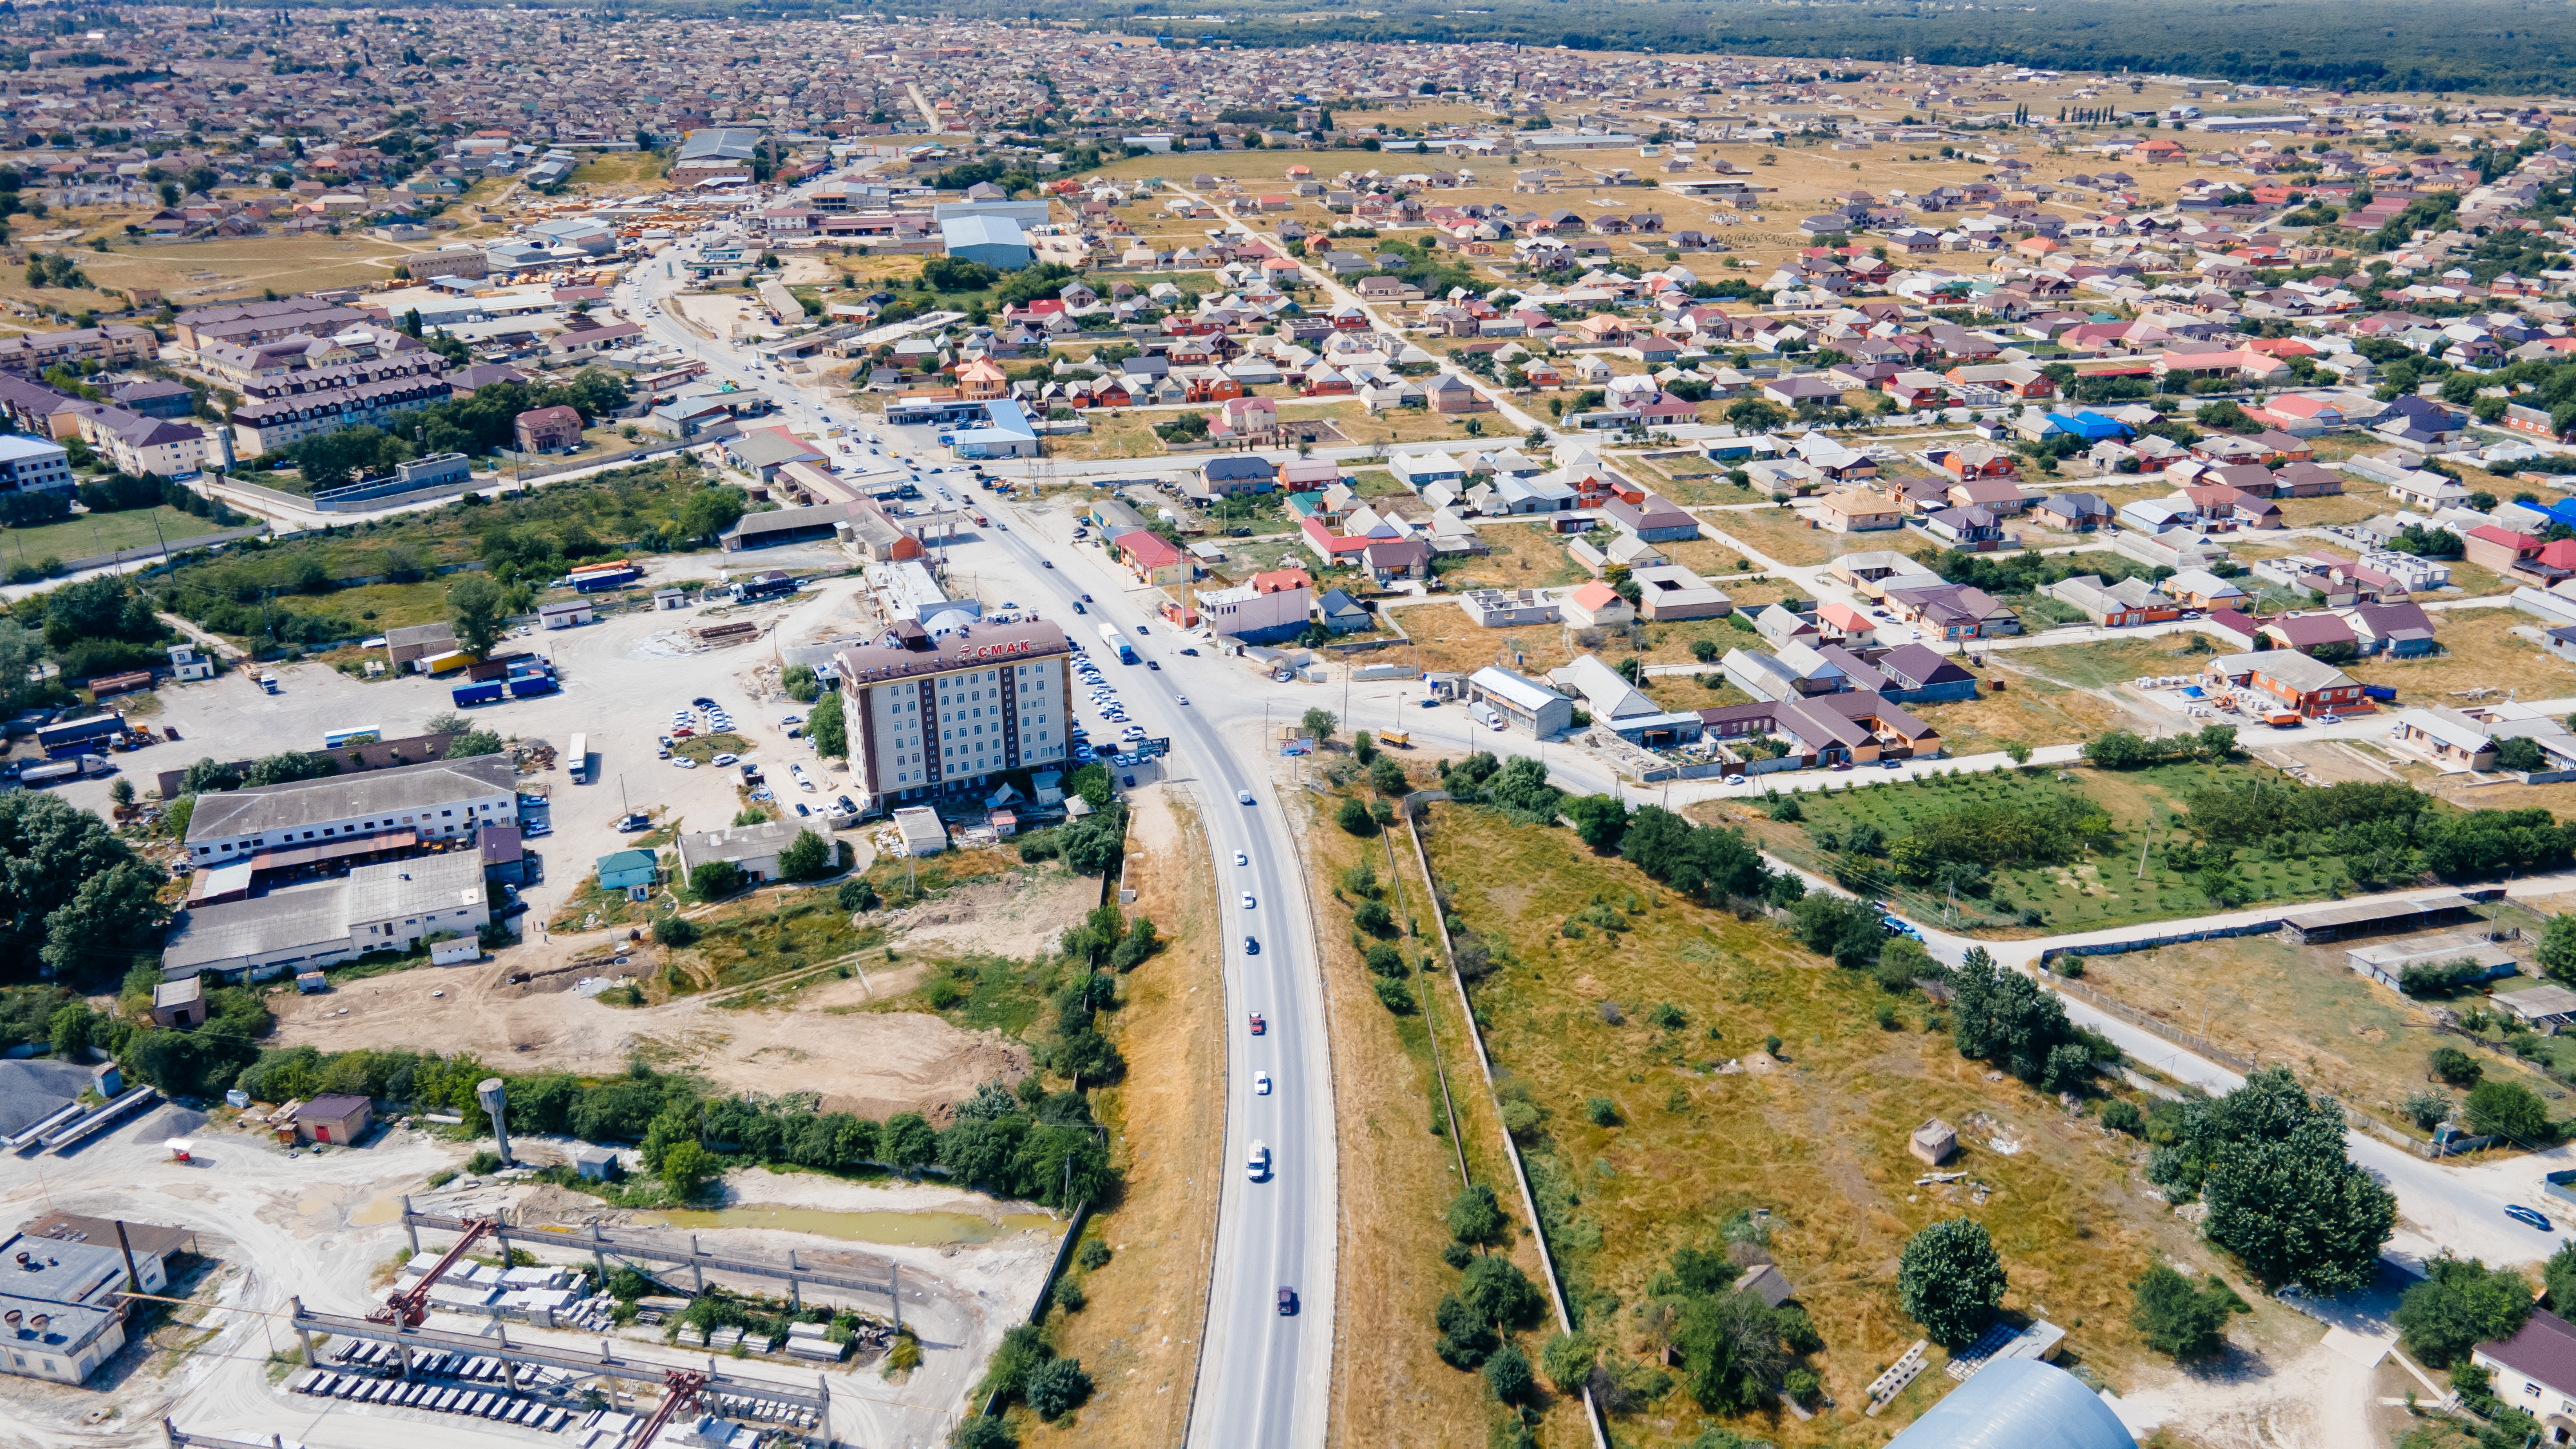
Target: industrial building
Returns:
[60, 1314]
[355, 814]
[934, 713]
[996, 241]
[388, 906]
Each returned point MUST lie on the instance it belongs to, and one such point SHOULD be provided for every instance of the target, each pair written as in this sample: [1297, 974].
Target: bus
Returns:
[358, 735]
[1117, 644]
[577, 759]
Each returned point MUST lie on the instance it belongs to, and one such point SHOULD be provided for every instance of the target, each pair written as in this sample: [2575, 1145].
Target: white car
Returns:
[1261, 1084]
[1256, 1163]
[724, 761]
[683, 762]
[1239, 858]
[1247, 900]
[1243, 796]
[1180, 699]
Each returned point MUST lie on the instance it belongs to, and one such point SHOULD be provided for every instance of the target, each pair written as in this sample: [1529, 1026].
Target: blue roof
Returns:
[982, 231]
[2564, 510]
[2018, 1403]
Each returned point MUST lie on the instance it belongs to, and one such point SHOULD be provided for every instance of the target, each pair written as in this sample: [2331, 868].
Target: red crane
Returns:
[680, 1390]
[409, 1307]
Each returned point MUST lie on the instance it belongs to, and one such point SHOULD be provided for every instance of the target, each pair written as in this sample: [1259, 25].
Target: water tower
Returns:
[488, 1092]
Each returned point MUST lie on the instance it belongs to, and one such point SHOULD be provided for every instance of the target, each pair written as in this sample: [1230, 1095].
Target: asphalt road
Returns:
[1263, 1374]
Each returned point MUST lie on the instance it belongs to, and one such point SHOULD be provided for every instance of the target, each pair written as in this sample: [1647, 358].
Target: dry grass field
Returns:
[1815, 1135]
[2480, 651]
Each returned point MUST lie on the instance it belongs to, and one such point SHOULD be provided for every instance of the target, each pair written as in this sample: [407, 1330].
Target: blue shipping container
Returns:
[467, 694]
[595, 583]
[535, 684]
[71, 737]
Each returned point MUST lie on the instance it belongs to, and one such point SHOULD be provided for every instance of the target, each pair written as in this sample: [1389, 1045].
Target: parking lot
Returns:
[622, 678]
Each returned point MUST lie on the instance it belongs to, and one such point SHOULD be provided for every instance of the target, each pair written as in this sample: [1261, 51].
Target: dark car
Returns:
[1077, 608]
[1287, 1302]
[1251, 945]
[2527, 1217]
[1191, 652]
[1088, 599]
[1153, 663]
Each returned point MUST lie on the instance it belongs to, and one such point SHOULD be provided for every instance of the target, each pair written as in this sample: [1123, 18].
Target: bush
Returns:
[1602, 1111]
[1093, 1256]
[1057, 1387]
[1507, 1373]
[858, 895]
[2124, 1117]
[2509, 1110]
[674, 930]
[2455, 1066]
[483, 1163]
[2177, 1319]
[715, 880]
[1394, 995]
[1354, 817]
[1801, 1385]
[1951, 1281]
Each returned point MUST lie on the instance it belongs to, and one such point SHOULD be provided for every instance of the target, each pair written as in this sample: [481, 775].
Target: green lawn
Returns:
[92, 534]
[2090, 889]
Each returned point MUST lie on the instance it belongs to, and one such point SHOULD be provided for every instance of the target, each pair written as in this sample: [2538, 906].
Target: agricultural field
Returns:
[188, 273]
[1657, 1120]
[2074, 863]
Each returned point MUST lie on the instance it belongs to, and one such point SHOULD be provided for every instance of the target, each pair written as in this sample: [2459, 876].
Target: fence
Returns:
[1592, 1415]
[2149, 943]
[2198, 1046]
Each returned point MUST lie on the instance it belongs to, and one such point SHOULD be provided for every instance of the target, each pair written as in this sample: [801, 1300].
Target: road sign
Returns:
[1296, 747]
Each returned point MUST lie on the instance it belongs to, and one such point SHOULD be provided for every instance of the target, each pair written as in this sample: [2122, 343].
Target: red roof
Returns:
[2502, 536]
[1148, 550]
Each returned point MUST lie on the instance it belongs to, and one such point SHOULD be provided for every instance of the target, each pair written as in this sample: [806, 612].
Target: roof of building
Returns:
[1516, 689]
[2544, 1350]
[738, 842]
[260, 809]
[969, 646]
[319, 913]
[2018, 1403]
[61, 1281]
[2299, 671]
[729, 143]
[31, 1091]
[1608, 693]
[981, 231]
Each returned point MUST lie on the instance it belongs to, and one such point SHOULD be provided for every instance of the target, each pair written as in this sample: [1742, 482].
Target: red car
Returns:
[1258, 1026]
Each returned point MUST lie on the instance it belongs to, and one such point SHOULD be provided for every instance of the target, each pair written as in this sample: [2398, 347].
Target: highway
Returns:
[1262, 1374]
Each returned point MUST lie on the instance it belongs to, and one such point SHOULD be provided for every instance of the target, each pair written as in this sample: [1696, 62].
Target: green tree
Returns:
[799, 681]
[710, 511]
[1731, 1349]
[2498, 1108]
[1321, 723]
[474, 612]
[1837, 926]
[826, 727]
[2459, 1305]
[1056, 1388]
[1507, 1374]
[715, 880]
[472, 743]
[1567, 1360]
[1354, 817]
[1999, 1016]
[1499, 1293]
[1600, 819]
[1951, 1281]
[2559, 1275]
[687, 1167]
[2557, 952]
[2283, 1195]
[1476, 1217]
[807, 857]
[1902, 962]
[907, 1143]
[2176, 1318]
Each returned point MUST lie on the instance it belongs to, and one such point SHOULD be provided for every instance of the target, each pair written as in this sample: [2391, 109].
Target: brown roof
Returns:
[147, 1239]
[2545, 1351]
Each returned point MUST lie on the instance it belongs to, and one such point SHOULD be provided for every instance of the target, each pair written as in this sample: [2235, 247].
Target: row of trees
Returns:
[474, 425]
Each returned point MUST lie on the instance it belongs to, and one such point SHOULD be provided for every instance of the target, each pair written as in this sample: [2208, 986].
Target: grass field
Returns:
[2479, 652]
[1399, 1165]
[2101, 666]
[91, 534]
[2261, 997]
[1815, 1136]
[1137, 1333]
[2095, 888]
[621, 168]
[1784, 538]
[2029, 711]
[1519, 556]
[186, 272]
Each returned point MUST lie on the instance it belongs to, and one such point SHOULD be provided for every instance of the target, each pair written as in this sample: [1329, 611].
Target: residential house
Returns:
[1953, 611]
[1915, 674]
[2308, 633]
[1652, 518]
[1339, 613]
[2071, 512]
[1596, 605]
[2122, 605]
[2400, 631]
[1669, 592]
[2304, 686]
[1858, 510]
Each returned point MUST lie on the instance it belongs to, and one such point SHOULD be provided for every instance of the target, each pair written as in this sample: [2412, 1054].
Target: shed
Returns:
[1767, 1280]
[336, 1119]
[564, 615]
[1934, 1141]
[179, 1003]
[923, 832]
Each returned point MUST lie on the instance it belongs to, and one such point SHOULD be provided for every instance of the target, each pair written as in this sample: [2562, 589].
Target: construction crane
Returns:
[680, 1390]
[409, 1307]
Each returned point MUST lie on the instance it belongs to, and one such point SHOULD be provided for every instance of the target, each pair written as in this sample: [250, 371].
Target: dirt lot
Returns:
[1783, 537]
[2479, 651]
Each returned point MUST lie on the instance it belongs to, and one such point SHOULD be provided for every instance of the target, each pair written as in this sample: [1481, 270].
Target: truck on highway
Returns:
[469, 695]
[54, 772]
[1117, 644]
